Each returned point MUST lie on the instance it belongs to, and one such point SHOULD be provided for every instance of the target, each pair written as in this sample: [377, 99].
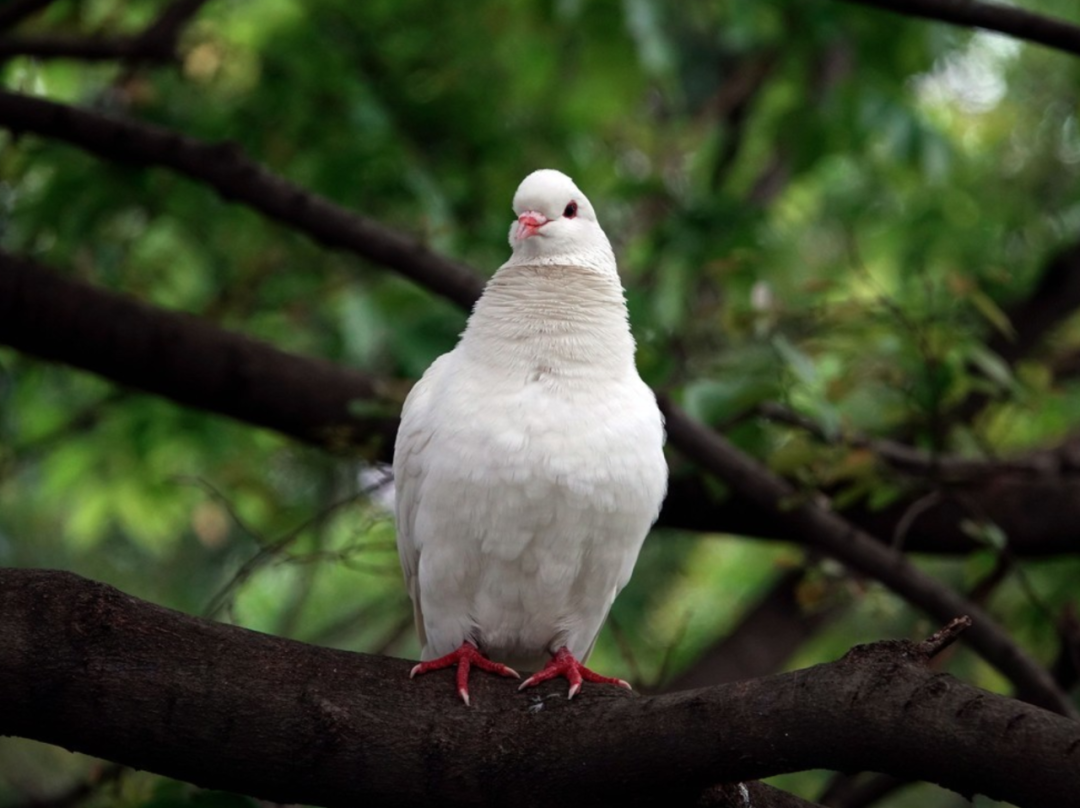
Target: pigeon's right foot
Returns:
[565, 665]
[464, 657]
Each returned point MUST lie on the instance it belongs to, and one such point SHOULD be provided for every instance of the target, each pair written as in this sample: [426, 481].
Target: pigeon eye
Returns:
[571, 210]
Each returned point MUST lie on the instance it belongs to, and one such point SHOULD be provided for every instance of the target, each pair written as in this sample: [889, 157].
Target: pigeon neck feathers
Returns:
[570, 322]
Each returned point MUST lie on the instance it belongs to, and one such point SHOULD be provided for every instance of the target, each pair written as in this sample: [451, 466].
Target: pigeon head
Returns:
[556, 224]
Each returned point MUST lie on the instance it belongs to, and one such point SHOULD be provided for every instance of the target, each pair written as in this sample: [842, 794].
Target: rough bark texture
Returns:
[92, 669]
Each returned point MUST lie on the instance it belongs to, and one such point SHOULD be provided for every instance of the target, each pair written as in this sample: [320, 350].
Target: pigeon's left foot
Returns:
[464, 657]
[564, 664]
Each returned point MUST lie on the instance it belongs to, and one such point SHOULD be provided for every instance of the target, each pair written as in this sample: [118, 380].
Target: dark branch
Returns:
[944, 637]
[164, 32]
[1015, 22]
[185, 359]
[15, 11]
[1055, 298]
[94, 670]
[85, 49]
[831, 534]
[155, 44]
[225, 168]
[1037, 515]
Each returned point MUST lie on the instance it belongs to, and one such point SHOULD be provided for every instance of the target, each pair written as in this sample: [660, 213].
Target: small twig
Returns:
[1058, 460]
[669, 652]
[625, 649]
[944, 637]
[911, 513]
[267, 548]
[85, 419]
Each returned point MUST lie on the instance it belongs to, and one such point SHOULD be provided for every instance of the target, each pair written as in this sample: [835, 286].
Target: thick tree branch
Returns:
[95, 670]
[225, 168]
[1015, 22]
[841, 540]
[1037, 515]
[185, 359]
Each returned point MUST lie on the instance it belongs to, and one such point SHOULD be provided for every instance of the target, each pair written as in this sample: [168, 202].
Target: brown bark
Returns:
[92, 669]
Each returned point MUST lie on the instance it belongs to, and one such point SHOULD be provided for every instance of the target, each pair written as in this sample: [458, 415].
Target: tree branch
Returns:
[15, 11]
[85, 49]
[157, 43]
[225, 168]
[185, 359]
[1015, 22]
[843, 541]
[1059, 460]
[92, 669]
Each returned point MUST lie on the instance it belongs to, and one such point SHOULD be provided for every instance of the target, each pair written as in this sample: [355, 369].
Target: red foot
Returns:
[564, 664]
[464, 657]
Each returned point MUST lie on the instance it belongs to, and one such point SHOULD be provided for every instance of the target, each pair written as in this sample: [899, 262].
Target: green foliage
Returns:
[892, 188]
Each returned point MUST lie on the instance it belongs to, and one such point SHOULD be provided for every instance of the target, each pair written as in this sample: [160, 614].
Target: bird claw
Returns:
[564, 664]
[466, 656]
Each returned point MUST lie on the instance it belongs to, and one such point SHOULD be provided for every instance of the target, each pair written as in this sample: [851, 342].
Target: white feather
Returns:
[529, 463]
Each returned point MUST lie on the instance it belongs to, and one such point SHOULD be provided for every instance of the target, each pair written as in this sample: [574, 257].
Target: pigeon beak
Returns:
[529, 224]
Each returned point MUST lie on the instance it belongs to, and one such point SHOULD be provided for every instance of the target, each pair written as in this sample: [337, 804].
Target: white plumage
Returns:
[529, 463]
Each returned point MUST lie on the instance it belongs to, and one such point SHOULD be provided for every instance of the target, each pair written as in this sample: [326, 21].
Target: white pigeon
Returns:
[529, 464]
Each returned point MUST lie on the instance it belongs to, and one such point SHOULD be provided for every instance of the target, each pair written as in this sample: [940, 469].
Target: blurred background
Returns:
[827, 218]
